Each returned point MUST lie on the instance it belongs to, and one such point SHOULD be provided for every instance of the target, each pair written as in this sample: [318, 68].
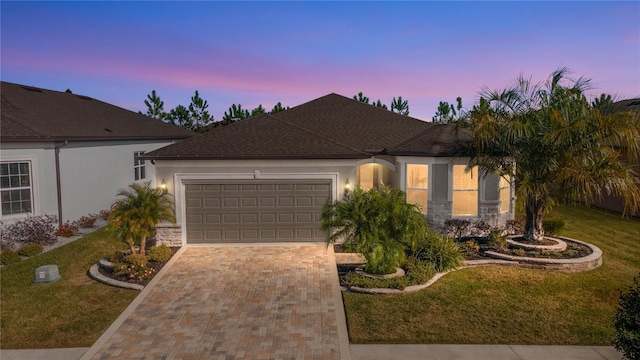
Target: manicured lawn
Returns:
[72, 312]
[507, 305]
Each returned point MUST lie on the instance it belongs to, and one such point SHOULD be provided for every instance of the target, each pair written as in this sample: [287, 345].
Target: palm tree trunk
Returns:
[143, 245]
[534, 209]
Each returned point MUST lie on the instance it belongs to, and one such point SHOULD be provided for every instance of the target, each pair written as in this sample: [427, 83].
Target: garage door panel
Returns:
[255, 212]
[213, 219]
[212, 202]
[285, 218]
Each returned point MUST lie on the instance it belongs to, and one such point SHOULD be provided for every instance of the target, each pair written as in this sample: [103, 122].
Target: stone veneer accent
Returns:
[168, 234]
[438, 212]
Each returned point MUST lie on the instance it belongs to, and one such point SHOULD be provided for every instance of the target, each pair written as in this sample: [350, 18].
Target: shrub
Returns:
[133, 272]
[34, 229]
[496, 240]
[627, 322]
[481, 228]
[30, 250]
[104, 214]
[67, 230]
[159, 253]
[136, 259]
[87, 222]
[9, 256]
[457, 228]
[515, 226]
[552, 225]
[378, 223]
[443, 252]
[470, 247]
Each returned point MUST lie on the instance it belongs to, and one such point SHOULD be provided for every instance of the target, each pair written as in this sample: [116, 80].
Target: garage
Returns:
[255, 211]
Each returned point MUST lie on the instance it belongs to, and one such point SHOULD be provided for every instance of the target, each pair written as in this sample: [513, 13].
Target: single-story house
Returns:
[267, 178]
[68, 155]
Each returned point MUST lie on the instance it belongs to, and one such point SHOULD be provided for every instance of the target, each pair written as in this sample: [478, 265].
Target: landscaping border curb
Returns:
[95, 274]
[585, 263]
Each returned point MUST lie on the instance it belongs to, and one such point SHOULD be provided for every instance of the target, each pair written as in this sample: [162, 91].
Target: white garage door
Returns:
[255, 211]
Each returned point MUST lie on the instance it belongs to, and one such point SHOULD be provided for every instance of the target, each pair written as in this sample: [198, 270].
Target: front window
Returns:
[465, 191]
[418, 185]
[139, 166]
[505, 195]
[15, 187]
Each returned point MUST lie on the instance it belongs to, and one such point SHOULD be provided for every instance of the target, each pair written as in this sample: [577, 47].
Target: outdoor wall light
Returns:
[347, 185]
[163, 187]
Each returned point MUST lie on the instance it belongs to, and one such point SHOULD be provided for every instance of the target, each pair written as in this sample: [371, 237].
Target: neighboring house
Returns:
[68, 155]
[267, 178]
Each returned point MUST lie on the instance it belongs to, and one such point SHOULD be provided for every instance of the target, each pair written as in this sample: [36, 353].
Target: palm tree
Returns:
[377, 223]
[555, 145]
[135, 215]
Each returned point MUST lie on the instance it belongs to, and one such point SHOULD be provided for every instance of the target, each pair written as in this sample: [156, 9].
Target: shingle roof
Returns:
[332, 126]
[34, 114]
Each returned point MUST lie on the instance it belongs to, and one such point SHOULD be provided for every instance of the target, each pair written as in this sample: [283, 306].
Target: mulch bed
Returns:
[156, 266]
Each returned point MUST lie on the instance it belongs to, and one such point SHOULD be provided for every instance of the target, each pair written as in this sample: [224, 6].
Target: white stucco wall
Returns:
[91, 173]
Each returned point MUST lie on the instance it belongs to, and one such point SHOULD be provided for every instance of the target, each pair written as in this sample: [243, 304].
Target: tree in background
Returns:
[155, 106]
[198, 112]
[380, 104]
[278, 107]
[555, 145]
[180, 116]
[361, 98]
[447, 114]
[400, 106]
[257, 111]
[235, 113]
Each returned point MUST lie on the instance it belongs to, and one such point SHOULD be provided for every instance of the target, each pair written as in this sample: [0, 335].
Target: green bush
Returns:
[496, 240]
[552, 225]
[377, 224]
[30, 250]
[470, 247]
[627, 322]
[443, 252]
[9, 256]
[136, 259]
[159, 253]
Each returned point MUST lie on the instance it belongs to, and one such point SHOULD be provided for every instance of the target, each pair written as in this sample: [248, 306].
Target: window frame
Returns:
[29, 187]
[474, 174]
[139, 166]
[407, 188]
[504, 184]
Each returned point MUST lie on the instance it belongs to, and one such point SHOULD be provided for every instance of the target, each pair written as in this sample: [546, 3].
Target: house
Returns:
[267, 178]
[68, 155]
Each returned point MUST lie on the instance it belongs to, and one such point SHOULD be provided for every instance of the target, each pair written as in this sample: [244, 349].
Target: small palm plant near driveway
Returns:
[134, 216]
[379, 224]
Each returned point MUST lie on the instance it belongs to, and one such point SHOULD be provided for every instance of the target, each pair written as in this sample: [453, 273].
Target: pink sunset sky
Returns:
[253, 53]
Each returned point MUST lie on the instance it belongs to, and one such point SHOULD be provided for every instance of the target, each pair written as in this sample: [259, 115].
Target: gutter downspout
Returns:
[58, 182]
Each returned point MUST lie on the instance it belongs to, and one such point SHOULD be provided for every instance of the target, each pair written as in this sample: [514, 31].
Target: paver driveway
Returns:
[235, 302]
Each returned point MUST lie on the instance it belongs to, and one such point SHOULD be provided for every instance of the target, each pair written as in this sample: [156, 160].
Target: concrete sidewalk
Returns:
[401, 352]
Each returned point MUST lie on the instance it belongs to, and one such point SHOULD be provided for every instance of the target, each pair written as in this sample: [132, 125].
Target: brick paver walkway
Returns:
[235, 302]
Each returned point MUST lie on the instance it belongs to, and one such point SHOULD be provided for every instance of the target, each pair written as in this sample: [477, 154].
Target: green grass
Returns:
[72, 312]
[507, 305]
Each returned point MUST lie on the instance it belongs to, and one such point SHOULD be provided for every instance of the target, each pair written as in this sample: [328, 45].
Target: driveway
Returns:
[272, 301]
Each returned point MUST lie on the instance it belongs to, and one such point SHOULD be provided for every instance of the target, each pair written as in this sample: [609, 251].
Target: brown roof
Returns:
[34, 114]
[329, 127]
